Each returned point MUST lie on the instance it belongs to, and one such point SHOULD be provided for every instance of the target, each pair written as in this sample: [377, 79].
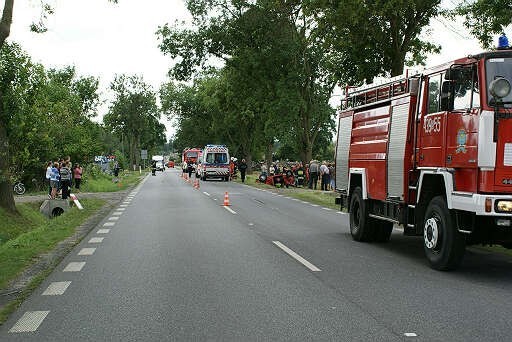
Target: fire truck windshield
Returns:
[192, 154]
[499, 68]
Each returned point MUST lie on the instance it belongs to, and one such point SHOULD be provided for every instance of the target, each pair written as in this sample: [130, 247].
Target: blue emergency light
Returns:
[503, 42]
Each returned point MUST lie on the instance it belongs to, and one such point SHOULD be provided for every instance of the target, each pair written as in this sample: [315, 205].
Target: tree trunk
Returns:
[268, 155]
[6, 194]
[248, 161]
[5, 23]
[308, 153]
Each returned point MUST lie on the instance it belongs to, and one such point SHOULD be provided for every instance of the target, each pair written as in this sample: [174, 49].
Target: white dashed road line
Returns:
[57, 288]
[297, 257]
[207, 194]
[103, 231]
[29, 322]
[410, 335]
[117, 213]
[87, 251]
[96, 240]
[328, 209]
[74, 267]
[230, 210]
[121, 209]
[113, 218]
[108, 224]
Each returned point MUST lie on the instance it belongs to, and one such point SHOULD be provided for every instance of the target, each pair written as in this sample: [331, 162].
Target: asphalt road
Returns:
[176, 265]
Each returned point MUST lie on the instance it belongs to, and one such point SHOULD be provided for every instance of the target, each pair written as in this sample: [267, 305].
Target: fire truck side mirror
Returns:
[447, 98]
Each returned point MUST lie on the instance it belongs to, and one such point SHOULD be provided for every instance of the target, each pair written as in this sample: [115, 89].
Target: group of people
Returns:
[311, 173]
[324, 171]
[60, 176]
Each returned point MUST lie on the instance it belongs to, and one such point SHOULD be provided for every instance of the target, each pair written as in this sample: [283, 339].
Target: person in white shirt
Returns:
[324, 172]
[48, 176]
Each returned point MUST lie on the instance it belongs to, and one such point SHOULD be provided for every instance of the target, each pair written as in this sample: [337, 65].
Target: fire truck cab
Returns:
[192, 156]
[431, 152]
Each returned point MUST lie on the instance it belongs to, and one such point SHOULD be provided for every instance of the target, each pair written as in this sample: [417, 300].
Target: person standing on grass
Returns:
[313, 174]
[324, 172]
[54, 180]
[48, 177]
[242, 167]
[65, 179]
[77, 175]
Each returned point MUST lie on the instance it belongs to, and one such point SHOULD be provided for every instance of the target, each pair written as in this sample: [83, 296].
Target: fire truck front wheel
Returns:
[361, 225]
[444, 245]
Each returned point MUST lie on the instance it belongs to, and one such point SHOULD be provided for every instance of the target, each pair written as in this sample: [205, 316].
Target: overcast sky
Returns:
[102, 39]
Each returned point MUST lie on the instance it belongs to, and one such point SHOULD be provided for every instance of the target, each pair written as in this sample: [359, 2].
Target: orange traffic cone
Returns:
[226, 199]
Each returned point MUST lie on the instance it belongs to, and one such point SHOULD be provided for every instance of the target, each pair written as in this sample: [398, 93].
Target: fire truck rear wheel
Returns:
[361, 225]
[444, 245]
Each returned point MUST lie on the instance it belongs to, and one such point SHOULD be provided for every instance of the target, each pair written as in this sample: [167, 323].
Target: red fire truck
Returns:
[431, 152]
[191, 155]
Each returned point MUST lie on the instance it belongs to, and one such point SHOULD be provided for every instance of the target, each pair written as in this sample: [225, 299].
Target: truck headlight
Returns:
[499, 88]
[503, 206]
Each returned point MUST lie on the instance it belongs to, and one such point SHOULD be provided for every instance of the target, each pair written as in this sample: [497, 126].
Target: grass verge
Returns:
[105, 183]
[30, 234]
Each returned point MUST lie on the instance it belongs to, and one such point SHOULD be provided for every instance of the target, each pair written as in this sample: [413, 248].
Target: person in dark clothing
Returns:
[242, 167]
[313, 174]
[190, 169]
[153, 167]
[65, 179]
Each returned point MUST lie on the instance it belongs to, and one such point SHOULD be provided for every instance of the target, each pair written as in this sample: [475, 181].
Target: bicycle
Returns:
[19, 188]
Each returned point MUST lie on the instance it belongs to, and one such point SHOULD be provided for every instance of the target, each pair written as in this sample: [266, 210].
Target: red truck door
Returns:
[432, 125]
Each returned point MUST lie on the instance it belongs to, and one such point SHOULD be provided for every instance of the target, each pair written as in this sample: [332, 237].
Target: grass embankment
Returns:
[102, 182]
[26, 236]
[323, 198]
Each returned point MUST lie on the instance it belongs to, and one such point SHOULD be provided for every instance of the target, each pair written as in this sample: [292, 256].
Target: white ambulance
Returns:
[214, 163]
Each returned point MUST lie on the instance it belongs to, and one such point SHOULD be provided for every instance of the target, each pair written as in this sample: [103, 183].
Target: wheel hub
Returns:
[431, 233]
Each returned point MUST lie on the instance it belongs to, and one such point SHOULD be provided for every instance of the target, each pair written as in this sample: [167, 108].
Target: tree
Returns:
[46, 113]
[6, 194]
[375, 37]
[134, 115]
[272, 61]
[484, 18]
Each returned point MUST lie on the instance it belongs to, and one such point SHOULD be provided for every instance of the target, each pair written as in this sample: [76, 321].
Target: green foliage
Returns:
[134, 115]
[272, 87]
[372, 38]
[47, 114]
[485, 19]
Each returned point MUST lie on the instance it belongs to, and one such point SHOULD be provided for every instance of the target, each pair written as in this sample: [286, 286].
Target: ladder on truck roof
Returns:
[372, 93]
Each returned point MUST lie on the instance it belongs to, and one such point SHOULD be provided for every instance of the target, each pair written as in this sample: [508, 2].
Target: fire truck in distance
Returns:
[192, 156]
[431, 152]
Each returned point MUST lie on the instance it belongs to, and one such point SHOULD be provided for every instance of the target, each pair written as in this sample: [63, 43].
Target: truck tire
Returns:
[361, 225]
[444, 245]
[383, 231]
